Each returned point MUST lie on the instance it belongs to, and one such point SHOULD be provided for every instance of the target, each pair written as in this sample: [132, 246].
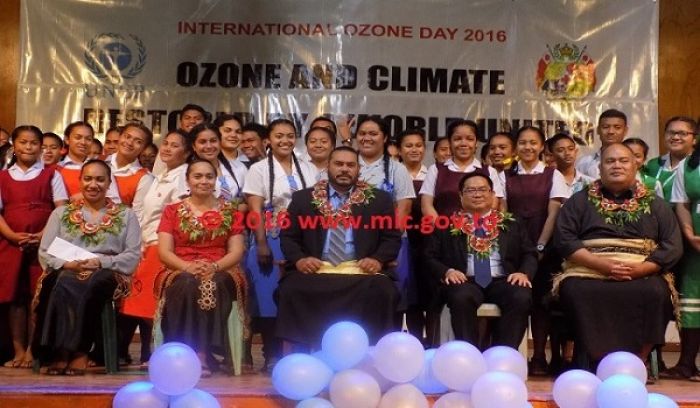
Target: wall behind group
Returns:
[679, 46]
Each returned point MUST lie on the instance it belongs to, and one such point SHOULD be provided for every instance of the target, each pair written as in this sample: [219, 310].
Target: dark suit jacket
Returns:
[382, 244]
[445, 251]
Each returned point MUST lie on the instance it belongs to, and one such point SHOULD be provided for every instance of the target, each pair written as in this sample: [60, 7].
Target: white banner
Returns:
[504, 63]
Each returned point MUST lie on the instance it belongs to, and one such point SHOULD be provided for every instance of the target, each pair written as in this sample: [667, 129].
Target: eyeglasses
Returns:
[472, 191]
[681, 133]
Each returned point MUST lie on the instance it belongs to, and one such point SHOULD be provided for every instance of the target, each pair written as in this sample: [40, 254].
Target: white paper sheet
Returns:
[62, 249]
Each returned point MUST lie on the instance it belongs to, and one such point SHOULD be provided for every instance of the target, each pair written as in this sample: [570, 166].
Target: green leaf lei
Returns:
[93, 234]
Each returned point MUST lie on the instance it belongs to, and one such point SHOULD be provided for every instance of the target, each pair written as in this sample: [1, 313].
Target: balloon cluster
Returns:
[174, 369]
[397, 372]
[619, 382]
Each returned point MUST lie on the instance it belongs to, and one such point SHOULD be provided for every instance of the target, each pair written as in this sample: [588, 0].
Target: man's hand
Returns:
[370, 265]
[519, 279]
[309, 264]
[453, 276]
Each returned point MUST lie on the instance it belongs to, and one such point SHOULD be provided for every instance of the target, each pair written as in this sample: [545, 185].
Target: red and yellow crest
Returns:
[566, 72]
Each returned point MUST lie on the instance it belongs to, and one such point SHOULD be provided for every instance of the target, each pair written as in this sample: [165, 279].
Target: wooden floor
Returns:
[22, 388]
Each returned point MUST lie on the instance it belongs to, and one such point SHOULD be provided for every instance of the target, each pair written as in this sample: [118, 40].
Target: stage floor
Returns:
[22, 388]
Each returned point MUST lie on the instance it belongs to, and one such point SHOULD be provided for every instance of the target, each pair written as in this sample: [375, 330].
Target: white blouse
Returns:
[165, 189]
[257, 181]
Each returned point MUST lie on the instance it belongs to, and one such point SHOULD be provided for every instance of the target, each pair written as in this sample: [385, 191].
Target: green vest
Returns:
[654, 169]
[691, 182]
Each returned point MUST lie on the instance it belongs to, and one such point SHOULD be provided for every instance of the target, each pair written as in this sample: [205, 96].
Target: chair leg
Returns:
[109, 330]
[654, 355]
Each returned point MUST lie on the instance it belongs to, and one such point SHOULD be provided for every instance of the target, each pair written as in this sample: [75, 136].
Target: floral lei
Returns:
[211, 224]
[492, 225]
[363, 193]
[93, 234]
[625, 212]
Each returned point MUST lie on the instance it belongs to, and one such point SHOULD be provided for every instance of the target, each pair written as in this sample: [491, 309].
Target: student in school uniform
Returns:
[29, 191]
[268, 189]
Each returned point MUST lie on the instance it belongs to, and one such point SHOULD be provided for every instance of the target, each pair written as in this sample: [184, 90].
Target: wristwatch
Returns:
[540, 248]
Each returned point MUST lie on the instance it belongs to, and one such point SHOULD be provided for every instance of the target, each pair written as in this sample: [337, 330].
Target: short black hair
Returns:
[474, 174]
[325, 119]
[507, 135]
[438, 141]
[452, 127]
[639, 142]
[195, 107]
[219, 121]
[612, 113]
[327, 131]
[257, 128]
[409, 132]
[345, 149]
[98, 162]
[51, 135]
[552, 141]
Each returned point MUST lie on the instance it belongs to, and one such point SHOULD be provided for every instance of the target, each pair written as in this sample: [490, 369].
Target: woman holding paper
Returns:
[201, 247]
[72, 291]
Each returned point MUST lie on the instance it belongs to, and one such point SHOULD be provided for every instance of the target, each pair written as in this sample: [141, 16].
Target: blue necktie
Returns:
[482, 266]
[336, 238]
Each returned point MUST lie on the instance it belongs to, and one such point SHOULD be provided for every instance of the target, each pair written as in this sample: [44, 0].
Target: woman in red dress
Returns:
[201, 248]
[28, 193]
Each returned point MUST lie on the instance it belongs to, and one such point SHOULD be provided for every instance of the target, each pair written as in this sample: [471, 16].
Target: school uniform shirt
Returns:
[166, 188]
[428, 187]
[57, 186]
[112, 192]
[589, 165]
[130, 170]
[579, 182]
[257, 181]
[559, 187]
[373, 173]
[421, 175]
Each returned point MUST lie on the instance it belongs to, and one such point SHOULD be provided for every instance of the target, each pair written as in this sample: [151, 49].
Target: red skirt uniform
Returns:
[26, 208]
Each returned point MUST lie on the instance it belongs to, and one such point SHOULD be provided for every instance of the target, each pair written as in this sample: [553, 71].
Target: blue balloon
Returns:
[194, 399]
[139, 394]
[315, 403]
[622, 391]
[174, 368]
[344, 345]
[661, 401]
[426, 381]
[300, 376]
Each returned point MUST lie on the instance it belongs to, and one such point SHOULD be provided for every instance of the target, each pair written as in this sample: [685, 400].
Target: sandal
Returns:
[56, 371]
[74, 372]
[676, 373]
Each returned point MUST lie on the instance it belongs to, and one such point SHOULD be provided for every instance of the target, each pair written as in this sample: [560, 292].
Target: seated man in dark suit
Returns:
[486, 257]
[338, 273]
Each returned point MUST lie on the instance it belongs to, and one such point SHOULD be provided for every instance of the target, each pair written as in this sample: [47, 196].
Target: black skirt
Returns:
[310, 303]
[69, 308]
[189, 319]
[613, 316]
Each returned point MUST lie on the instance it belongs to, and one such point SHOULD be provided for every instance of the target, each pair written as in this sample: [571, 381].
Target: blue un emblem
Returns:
[114, 56]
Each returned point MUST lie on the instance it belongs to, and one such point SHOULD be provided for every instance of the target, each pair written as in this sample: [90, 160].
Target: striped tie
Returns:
[336, 236]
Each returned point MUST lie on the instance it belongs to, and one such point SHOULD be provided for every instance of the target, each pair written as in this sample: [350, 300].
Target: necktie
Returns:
[336, 239]
[482, 266]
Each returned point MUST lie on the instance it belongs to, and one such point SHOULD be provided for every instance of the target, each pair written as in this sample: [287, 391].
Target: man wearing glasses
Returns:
[485, 256]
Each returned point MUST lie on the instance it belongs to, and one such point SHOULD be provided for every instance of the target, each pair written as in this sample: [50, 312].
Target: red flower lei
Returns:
[492, 224]
[621, 213]
[93, 234]
[363, 193]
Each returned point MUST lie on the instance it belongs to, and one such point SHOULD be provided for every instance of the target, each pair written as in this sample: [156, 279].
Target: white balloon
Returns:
[398, 357]
[194, 399]
[576, 389]
[426, 381]
[403, 396]
[367, 365]
[499, 390]
[454, 400]
[661, 401]
[344, 344]
[622, 391]
[139, 394]
[506, 359]
[622, 362]
[458, 364]
[314, 403]
[174, 368]
[354, 389]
